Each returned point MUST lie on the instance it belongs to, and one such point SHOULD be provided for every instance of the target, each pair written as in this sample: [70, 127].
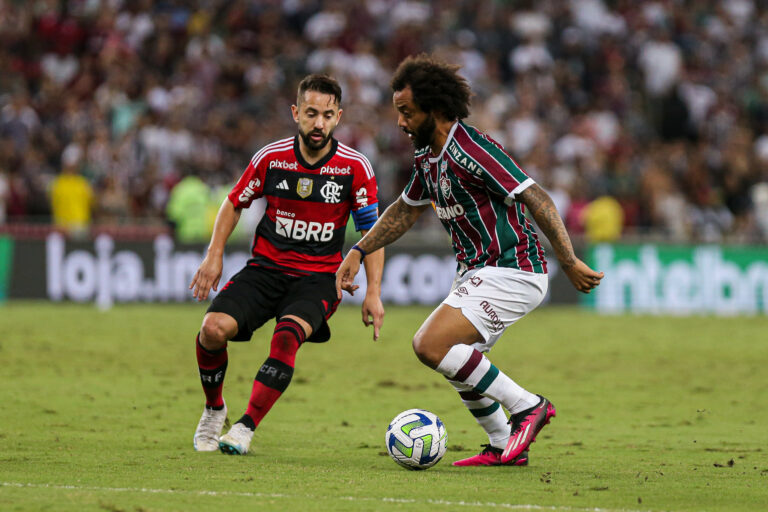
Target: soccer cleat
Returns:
[525, 425]
[236, 441]
[207, 434]
[491, 456]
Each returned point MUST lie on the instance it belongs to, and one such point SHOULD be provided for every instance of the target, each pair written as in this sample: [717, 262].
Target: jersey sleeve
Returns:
[415, 193]
[365, 203]
[501, 174]
[250, 186]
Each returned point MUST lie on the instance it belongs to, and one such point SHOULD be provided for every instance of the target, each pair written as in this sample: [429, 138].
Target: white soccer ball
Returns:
[416, 439]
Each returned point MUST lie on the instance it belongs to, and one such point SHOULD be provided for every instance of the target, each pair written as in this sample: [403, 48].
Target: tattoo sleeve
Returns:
[396, 220]
[545, 214]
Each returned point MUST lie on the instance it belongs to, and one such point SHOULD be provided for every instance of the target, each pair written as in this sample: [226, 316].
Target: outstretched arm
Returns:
[396, 220]
[373, 309]
[209, 272]
[545, 214]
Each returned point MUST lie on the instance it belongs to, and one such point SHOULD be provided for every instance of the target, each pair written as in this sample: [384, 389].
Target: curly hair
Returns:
[322, 84]
[436, 85]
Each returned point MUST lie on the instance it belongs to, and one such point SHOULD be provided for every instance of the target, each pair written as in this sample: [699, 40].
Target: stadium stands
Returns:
[662, 106]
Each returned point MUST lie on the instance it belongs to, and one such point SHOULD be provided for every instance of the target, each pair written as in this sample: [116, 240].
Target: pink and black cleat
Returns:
[491, 456]
[525, 425]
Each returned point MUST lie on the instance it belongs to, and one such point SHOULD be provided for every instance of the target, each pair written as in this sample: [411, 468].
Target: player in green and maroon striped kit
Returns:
[480, 195]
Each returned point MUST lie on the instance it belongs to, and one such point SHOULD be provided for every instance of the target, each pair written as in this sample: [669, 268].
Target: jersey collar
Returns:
[447, 141]
[319, 163]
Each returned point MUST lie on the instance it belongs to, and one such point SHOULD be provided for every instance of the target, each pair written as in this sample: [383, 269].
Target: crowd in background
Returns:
[638, 117]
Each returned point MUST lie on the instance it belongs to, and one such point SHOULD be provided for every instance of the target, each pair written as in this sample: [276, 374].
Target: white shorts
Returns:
[493, 298]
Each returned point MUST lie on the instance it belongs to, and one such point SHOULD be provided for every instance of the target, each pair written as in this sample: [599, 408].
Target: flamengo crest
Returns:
[304, 187]
[331, 192]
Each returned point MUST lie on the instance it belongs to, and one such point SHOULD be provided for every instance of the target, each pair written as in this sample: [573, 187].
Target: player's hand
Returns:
[346, 273]
[206, 277]
[373, 313]
[583, 278]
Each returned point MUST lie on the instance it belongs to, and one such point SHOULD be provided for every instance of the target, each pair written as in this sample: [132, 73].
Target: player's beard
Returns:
[424, 134]
[312, 145]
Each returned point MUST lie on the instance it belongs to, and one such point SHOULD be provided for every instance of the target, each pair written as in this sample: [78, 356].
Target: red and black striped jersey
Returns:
[308, 206]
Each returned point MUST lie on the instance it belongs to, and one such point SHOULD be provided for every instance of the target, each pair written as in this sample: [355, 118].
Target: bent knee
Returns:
[426, 350]
[216, 330]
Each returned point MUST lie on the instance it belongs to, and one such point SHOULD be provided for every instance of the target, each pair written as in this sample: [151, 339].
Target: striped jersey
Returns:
[472, 185]
[308, 206]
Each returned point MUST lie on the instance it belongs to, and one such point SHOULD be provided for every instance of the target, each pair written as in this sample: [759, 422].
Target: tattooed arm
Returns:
[545, 214]
[396, 220]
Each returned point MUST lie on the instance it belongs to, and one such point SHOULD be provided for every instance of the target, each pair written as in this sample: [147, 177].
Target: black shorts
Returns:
[258, 294]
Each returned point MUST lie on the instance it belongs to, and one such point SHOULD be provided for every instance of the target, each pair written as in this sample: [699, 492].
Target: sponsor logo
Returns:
[282, 164]
[660, 279]
[361, 197]
[297, 229]
[249, 190]
[496, 323]
[449, 212]
[461, 159]
[461, 290]
[285, 214]
[475, 281]
[304, 187]
[283, 185]
[339, 171]
[425, 165]
[105, 275]
[331, 192]
[445, 186]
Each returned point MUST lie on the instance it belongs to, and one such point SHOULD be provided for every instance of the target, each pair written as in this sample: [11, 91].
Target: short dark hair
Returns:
[436, 85]
[320, 83]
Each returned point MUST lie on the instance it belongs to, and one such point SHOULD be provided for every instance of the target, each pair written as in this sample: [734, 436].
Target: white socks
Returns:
[463, 364]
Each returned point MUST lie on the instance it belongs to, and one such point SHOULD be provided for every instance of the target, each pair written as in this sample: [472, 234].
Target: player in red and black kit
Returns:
[312, 183]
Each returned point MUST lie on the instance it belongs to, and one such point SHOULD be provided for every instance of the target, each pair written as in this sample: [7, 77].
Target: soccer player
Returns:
[311, 183]
[479, 194]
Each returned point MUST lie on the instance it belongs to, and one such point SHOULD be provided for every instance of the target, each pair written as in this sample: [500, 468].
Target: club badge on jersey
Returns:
[445, 186]
[331, 192]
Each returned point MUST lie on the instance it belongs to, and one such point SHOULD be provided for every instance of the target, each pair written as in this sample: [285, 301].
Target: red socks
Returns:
[276, 372]
[213, 367]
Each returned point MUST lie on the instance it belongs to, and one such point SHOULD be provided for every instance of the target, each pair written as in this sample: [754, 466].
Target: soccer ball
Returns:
[416, 439]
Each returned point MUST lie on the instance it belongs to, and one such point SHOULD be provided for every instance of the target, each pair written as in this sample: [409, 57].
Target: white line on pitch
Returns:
[489, 504]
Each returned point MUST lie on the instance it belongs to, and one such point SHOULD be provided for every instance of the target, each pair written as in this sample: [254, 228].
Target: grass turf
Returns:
[654, 413]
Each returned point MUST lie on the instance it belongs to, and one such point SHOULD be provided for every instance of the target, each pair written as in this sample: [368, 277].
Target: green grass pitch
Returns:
[653, 413]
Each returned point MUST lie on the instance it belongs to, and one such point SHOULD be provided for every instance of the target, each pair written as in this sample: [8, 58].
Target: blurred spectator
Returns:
[603, 220]
[5, 194]
[72, 195]
[188, 209]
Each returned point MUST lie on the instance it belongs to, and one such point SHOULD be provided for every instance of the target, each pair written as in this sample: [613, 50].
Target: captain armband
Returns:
[366, 217]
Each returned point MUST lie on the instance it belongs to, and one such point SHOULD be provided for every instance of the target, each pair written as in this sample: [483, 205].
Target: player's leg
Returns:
[233, 315]
[478, 310]
[302, 315]
[444, 343]
[212, 358]
[270, 382]
[276, 373]
[490, 416]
